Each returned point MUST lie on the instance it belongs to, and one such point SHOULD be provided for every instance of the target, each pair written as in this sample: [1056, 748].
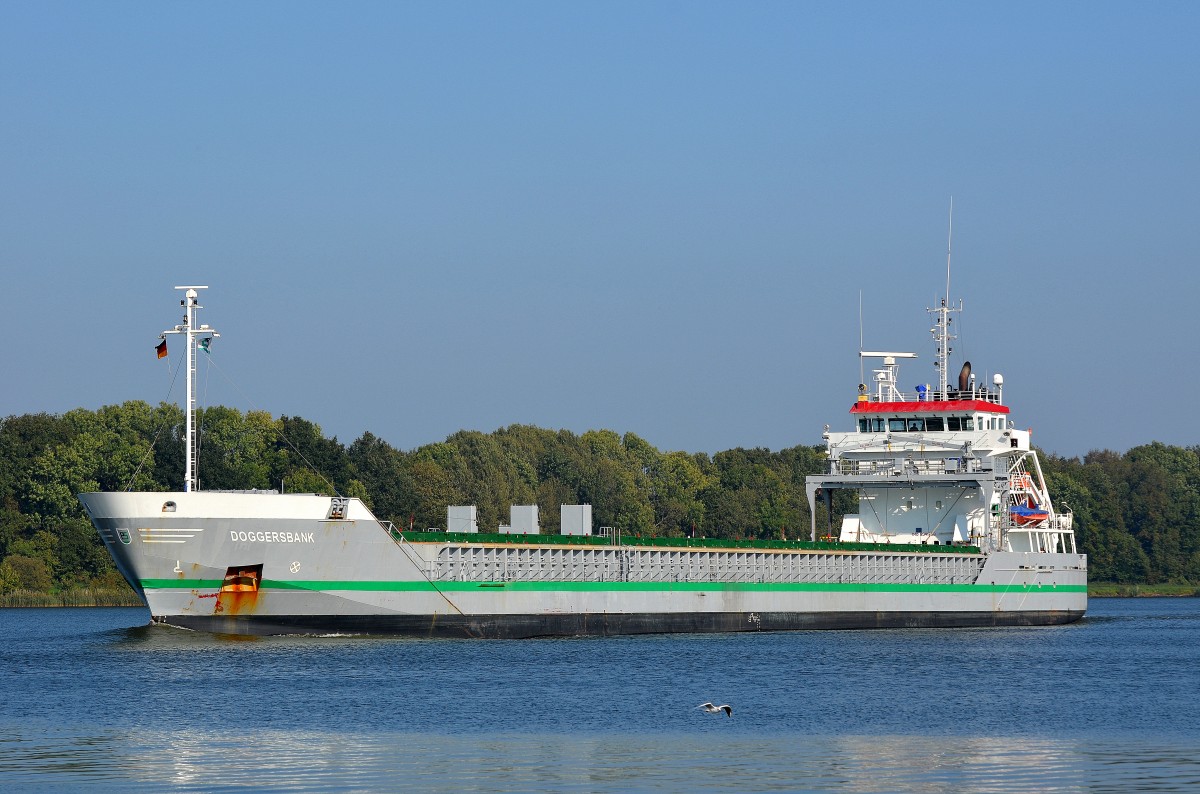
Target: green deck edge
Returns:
[618, 587]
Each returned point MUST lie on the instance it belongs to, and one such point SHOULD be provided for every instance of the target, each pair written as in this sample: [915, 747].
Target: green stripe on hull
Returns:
[617, 587]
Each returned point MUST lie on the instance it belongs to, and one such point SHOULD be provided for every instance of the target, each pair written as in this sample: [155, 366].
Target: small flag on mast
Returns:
[161, 349]
[204, 343]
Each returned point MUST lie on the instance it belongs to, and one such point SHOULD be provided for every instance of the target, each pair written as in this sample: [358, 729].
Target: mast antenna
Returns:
[949, 245]
[861, 371]
[941, 329]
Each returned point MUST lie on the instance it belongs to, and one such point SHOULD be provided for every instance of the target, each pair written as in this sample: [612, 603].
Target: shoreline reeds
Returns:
[1114, 590]
[74, 597]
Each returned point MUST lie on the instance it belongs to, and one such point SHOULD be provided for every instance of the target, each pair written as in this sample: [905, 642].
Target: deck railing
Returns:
[903, 467]
[896, 395]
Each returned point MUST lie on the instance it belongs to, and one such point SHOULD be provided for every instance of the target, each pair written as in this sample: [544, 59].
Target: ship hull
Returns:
[190, 556]
[601, 625]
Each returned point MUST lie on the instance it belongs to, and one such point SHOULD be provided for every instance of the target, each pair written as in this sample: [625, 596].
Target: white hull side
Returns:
[349, 574]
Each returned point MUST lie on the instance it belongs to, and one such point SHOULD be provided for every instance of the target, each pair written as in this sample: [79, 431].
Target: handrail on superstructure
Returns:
[976, 394]
[886, 379]
[896, 467]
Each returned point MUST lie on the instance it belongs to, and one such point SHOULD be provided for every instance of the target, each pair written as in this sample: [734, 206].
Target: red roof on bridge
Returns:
[928, 407]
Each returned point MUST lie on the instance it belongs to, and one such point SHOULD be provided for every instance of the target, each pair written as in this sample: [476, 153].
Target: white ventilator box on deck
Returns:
[576, 519]
[523, 520]
[461, 518]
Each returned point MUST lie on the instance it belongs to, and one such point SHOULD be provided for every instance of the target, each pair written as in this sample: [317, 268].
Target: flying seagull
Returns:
[711, 709]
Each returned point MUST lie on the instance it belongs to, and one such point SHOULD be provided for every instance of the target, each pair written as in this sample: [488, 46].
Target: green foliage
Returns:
[1137, 515]
[239, 451]
[758, 493]
[20, 572]
[306, 481]
[676, 484]
[381, 472]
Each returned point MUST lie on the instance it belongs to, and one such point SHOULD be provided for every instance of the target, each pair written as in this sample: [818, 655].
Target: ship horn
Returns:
[964, 376]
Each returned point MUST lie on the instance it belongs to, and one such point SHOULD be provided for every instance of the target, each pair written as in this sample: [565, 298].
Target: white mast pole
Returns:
[189, 322]
[189, 329]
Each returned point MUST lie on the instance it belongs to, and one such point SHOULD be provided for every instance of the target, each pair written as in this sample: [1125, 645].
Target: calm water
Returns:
[96, 696]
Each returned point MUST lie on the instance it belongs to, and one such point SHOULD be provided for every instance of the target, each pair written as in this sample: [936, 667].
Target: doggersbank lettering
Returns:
[272, 537]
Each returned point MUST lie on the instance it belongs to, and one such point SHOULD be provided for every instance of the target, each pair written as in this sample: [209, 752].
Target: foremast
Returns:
[191, 333]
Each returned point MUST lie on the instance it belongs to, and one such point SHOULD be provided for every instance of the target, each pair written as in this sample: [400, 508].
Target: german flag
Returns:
[161, 349]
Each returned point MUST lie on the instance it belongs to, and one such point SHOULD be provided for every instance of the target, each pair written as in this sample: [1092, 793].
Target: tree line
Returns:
[1137, 515]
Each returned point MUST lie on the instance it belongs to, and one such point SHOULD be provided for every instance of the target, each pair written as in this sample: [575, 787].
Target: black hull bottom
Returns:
[584, 625]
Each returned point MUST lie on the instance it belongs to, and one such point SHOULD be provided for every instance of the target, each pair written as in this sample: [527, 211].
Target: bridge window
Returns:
[878, 425]
[934, 424]
[896, 425]
[862, 425]
[916, 425]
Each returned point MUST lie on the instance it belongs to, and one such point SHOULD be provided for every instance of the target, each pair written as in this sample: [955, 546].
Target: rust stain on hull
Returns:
[236, 603]
[239, 592]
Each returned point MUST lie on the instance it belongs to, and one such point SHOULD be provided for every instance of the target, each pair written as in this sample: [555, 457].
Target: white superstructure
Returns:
[939, 465]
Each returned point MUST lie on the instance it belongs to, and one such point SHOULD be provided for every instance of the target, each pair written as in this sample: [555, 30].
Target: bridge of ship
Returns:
[954, 439]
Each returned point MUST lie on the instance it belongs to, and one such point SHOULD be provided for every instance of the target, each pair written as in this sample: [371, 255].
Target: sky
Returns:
[649, 217]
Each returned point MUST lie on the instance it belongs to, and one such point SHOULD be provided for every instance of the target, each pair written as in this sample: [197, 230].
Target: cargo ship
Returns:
[955, 527]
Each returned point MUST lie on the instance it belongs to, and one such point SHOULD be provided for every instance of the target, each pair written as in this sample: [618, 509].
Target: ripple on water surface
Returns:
[98, 697]
[192, 760]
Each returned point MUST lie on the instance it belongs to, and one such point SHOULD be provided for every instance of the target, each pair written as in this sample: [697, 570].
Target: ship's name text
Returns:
[272, 537]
